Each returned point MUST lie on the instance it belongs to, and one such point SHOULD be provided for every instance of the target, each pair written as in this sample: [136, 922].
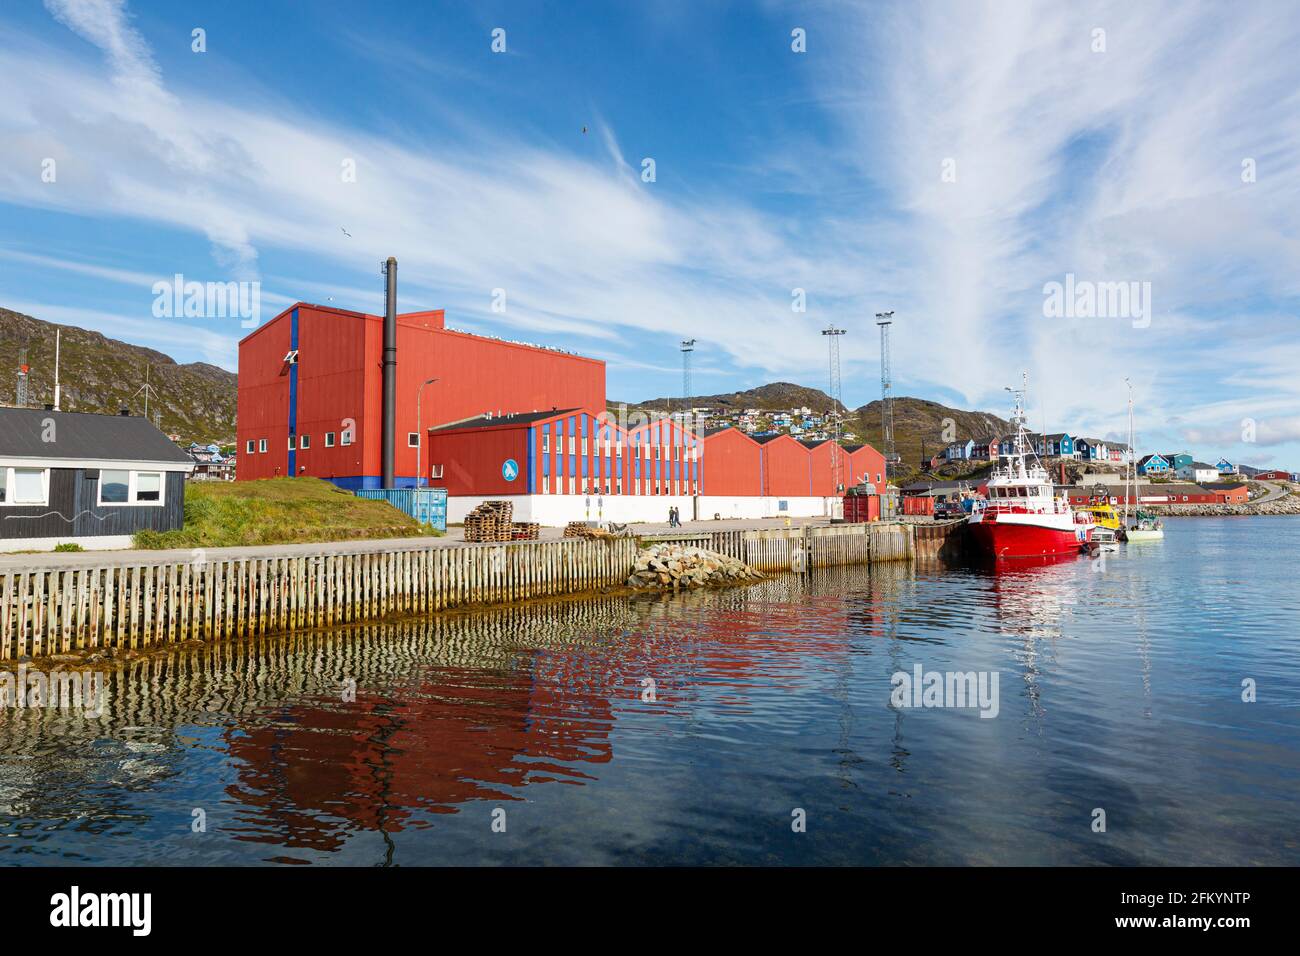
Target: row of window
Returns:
[691, 454]
[556, 486]
[300, 442]
[31, 486]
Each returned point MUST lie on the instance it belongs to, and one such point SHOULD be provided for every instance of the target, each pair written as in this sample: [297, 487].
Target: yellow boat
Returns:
[1107, 521]
[1103, 515]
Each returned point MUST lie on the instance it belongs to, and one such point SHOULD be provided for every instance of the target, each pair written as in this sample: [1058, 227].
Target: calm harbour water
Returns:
[1120, 688]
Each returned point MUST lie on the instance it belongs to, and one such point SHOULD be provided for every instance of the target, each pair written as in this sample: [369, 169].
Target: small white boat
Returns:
[1145, 527]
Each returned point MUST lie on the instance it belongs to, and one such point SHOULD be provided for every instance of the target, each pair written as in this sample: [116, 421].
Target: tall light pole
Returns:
[833, 338]
[687, 347]
[885, 320]
[419, 435]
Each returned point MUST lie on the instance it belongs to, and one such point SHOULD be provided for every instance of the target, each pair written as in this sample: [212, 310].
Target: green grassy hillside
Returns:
[220, 514]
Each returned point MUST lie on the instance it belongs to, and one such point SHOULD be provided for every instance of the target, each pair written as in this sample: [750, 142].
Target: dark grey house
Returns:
[89, 479]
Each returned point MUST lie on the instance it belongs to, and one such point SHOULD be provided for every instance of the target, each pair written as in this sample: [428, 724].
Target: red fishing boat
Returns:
[1022, 516]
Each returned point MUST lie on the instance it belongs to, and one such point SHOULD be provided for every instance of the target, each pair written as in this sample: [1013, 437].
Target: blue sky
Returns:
[943, 160]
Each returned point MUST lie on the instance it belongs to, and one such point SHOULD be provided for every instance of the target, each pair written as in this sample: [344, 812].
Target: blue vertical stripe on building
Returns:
[532, 460]
[293, 394]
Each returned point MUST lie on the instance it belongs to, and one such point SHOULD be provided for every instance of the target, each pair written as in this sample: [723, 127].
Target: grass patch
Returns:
[223, 514]
[69, 546]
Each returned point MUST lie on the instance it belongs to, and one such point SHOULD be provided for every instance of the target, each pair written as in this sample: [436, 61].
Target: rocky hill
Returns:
[99, 374]
[771, 397]
[918, 423]
[921, 426]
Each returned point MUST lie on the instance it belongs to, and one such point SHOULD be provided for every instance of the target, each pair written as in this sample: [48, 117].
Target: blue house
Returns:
[1226, 467]
[1178, 460]
[1092, 449]
[959, 451]
[1060, 445]
[1153, 465]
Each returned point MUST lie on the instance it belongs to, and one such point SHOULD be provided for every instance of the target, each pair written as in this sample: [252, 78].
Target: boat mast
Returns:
[1128, 472]
[1018, 416]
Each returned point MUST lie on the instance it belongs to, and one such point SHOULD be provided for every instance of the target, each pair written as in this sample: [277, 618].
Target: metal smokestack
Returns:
[390, 370]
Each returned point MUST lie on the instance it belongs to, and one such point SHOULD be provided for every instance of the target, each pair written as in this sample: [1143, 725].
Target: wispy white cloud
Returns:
[1122, 164]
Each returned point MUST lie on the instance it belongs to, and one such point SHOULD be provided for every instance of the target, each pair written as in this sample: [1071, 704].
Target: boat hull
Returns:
[1021, 540]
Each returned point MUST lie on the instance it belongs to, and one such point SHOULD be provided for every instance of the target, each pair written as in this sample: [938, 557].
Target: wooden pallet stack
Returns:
[581, 529]
[490, 521]
[525, 531]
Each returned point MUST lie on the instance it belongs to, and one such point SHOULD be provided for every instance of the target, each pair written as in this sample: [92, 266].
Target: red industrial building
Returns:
[501, 419]
[310, 398]
[1166, 494]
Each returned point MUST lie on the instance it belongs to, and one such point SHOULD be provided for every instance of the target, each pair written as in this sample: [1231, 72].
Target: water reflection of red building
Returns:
[320, 768]
[317, 770]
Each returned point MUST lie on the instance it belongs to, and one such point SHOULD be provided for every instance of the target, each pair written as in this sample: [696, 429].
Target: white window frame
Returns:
[132, 489]
[261, 446]
[329, 439]
[292, 442]
[345, 438]
[546, 443]
[9, 487]
[304, 442]
[251, 446]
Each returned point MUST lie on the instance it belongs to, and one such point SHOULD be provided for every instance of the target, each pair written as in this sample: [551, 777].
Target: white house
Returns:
[1198, 472]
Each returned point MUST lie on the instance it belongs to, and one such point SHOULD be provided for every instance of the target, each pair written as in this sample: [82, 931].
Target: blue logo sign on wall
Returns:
[510, 469]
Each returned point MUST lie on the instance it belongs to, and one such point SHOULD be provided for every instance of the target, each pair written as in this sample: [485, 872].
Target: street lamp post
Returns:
[419, 436]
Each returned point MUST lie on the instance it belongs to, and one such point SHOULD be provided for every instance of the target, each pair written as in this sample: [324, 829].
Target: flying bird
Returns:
[346, 233]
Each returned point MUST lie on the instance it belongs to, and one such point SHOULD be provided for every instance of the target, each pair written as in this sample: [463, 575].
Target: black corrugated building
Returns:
[89, 479]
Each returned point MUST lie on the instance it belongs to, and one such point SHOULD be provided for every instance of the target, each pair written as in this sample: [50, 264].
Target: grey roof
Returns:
[85, 436]
[503, 421]
[1172, 489]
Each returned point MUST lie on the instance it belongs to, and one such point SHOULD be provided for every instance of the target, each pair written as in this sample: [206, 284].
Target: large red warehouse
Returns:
[310, 390]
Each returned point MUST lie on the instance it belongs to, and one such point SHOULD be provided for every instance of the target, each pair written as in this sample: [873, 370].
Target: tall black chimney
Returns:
[390, 370]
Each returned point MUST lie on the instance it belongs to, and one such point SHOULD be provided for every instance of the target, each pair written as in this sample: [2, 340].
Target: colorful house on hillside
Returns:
[1057, 445]
[1177, 460]
[1226, 467]
[1154, 465]
[1198, 472]
[1094, 449]
[959, 450]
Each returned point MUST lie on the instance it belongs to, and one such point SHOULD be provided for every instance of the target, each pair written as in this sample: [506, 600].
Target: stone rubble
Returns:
[677, 566]
[1286, 505]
